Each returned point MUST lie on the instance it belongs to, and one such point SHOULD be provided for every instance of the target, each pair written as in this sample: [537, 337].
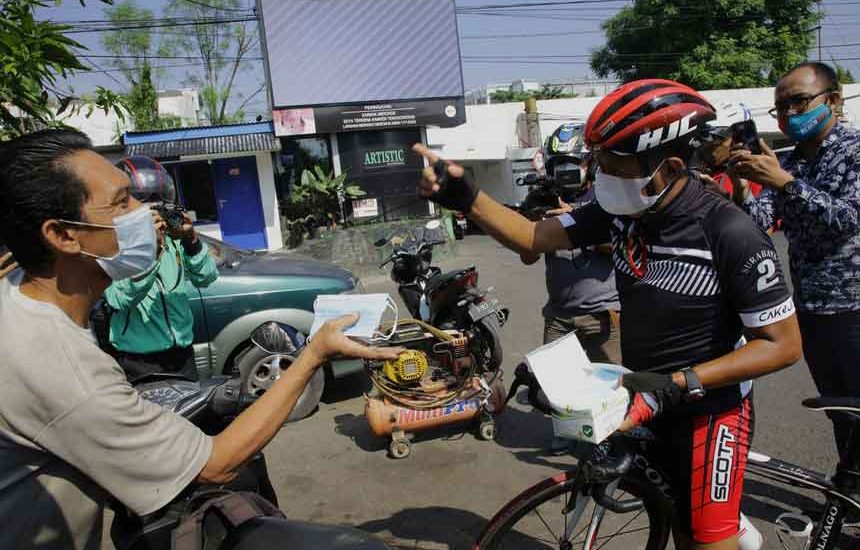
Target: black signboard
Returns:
[370, 116]
[383, 164]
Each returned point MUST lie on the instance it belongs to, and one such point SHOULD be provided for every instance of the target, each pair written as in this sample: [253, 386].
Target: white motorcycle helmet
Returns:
[728, 113]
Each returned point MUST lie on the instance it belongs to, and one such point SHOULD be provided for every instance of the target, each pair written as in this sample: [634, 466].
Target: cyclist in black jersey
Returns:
[694, 275]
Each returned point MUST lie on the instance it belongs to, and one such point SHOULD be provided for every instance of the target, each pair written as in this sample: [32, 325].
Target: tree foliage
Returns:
[33, 56]
[317, 197]
[134, 48]
[223, 50]
[142, 105]
[708, 45]
[843, 75]
[547, 91]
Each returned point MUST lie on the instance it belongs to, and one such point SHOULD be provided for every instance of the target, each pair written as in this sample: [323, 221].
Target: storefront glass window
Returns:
[300, 154]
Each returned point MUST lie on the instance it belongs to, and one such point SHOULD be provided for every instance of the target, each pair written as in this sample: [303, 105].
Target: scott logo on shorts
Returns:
[721, 475]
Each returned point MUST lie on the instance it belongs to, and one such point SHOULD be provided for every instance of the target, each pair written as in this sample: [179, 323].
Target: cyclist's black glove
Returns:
[650, 394]
[454, 193]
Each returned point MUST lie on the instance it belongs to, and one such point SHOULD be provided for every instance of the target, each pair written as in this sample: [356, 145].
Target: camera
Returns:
[565, 183]
[173, 215]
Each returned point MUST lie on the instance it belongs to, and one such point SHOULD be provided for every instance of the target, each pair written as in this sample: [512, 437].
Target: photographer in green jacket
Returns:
[151, 325]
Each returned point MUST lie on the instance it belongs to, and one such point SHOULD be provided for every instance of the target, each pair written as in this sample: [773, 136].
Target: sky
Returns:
[573, 31]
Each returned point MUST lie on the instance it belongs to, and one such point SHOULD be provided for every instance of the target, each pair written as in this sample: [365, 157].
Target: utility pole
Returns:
[819, 30]
[532, 124]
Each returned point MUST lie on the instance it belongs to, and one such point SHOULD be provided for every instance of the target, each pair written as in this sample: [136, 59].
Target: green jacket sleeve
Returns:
[127, 293]
[199, 266]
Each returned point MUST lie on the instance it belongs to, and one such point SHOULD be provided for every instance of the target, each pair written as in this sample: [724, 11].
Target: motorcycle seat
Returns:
[442, 279]
[276, 533]
[182, 396]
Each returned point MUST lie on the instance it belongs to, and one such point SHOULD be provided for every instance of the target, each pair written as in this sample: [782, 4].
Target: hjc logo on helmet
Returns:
[655, 138]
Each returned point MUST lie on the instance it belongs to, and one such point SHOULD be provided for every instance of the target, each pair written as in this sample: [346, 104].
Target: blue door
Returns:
[237, 192]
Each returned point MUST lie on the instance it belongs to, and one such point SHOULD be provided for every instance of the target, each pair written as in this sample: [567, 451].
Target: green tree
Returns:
[547, 91]
[716, 44]
[843, 75]
[142, 104]
[133, 47]
[223, 50]
[33, 56]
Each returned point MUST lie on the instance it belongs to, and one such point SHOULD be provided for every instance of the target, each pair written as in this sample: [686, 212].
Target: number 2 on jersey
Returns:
[769, 277]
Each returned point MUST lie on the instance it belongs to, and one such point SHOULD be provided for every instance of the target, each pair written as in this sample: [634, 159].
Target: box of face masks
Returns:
[587, 401]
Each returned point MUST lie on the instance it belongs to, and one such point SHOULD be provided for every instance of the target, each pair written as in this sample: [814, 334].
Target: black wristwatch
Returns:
[695, 391]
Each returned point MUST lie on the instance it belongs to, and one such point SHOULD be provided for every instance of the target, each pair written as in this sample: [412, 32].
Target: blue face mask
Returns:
[805, 126]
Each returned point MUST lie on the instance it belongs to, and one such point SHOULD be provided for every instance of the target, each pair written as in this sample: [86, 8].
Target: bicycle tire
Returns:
[656, 505]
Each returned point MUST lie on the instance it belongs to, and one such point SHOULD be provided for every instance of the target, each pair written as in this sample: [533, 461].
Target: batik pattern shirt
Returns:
[821, 222]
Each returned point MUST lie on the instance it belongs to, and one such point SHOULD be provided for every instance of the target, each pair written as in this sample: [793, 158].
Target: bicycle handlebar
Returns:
[609, 462]
[617, 505]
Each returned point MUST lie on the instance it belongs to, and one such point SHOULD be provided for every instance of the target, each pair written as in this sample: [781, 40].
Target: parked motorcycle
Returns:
[451, 371]
[448, 301]
[211, 405]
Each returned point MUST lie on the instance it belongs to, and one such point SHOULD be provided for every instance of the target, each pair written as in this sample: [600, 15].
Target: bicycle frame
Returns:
[825, 533]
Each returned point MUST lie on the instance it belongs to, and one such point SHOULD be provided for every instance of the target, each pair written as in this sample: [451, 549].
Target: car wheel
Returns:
[259, 370]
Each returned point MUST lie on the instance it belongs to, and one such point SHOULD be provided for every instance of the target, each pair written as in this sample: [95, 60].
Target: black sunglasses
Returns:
[796, 104]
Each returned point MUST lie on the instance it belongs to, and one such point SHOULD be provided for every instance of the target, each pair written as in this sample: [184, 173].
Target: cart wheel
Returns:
[487, 430]
[400, 447]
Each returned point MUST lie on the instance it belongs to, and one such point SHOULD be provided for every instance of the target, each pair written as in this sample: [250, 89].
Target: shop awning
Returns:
[208, 140]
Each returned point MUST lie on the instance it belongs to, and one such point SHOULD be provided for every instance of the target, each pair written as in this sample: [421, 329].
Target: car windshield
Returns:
[225, 254]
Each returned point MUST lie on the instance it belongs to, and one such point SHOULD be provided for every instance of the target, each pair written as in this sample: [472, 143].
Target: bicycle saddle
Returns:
[842, 404]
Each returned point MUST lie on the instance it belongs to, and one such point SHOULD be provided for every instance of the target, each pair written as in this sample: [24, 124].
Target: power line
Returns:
[115, 79]
[142, 57]
[536, 4]
[526, 35]
[572, 62]
[210, 6]
[154, 25]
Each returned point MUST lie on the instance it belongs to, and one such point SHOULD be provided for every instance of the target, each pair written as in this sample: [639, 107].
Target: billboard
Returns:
[351, 65]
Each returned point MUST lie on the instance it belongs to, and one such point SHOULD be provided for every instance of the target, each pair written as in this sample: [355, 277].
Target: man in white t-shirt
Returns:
[72, 430]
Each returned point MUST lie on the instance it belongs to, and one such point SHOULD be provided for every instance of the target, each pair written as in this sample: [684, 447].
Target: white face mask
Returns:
[370, 308]
[137, 242]
[623, 196]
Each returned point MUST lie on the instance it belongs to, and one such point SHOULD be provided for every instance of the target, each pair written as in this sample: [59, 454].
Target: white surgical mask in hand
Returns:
[370, 307]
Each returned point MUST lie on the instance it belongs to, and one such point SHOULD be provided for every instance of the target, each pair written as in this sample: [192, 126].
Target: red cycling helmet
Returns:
[644, 116]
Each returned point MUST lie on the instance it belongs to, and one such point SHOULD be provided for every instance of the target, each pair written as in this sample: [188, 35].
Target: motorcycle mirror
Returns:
[527, 180]
[278, 338]
[380, 242]
[433, 224]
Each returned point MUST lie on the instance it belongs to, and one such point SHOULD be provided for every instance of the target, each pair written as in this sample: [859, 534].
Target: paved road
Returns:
[330, 468]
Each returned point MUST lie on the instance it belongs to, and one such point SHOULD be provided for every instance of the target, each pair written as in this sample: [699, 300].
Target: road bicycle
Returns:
[618, 499]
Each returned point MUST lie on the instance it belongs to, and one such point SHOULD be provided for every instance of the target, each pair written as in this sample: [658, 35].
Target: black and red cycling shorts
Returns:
[703, 458]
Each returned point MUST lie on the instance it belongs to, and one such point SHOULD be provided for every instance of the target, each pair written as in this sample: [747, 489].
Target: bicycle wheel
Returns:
[534, 519]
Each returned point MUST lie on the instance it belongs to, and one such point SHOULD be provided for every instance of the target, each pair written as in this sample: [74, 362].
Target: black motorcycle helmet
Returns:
[150, 182]
[563, 154]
